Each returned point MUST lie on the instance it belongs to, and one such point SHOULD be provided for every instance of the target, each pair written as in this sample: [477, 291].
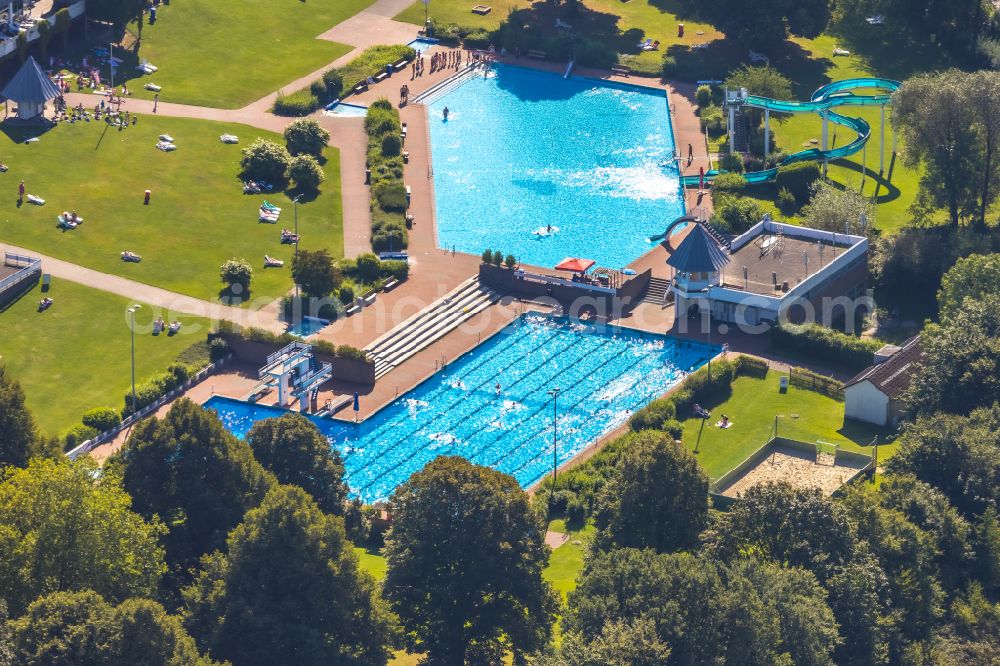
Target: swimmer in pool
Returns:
[445, 113]
[548, 229]
[498, 388]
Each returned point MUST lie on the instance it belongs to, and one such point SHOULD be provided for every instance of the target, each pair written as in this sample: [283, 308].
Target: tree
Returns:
[296, 452]
[984, 100]
[620, 643]
[465, 556]
[81, 628]
[316, 272]
[971, 277]
[305, 136]
[118, 12]
[265, 161]
[839, 210]
[237, 271]
[933, 115]
[658, 497]
[62, 529]
[795, 526]
[737, 214]
[763, 24]
[288, 590]
[187, 469]
[858, 596]
[765, 81]
[306, 173]
[18, 437]
[960, 366]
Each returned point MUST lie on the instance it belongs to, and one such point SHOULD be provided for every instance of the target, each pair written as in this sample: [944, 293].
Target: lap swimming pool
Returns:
[604, 375]
[522, 150]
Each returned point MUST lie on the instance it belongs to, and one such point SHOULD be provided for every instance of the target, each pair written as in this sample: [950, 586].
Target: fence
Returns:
[147, 410]
[28, 265]
[805, 379]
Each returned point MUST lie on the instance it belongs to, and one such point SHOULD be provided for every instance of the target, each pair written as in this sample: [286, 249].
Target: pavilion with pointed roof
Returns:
[30, 89]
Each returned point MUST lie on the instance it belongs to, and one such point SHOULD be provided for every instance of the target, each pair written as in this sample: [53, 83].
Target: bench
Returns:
[382, 76]
[353, 308]
[621, 70]
[482, 10]
[369, 298]
[393, 256]
[390, 284]
[360, 87]
[541, 55]
[408, 194]
[399, 66]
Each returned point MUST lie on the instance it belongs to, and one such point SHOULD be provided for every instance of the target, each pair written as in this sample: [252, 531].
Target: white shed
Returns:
[875, 395]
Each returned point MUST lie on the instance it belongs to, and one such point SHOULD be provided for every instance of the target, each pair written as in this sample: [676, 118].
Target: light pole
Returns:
[555, 442]
[295, 205]
[131, 312]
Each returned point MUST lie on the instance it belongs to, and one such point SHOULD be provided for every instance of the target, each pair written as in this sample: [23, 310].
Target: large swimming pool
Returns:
[604, 375]
[522, 150]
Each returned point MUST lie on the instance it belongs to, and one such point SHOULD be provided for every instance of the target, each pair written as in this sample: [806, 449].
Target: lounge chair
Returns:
[38, 201]
[174, 327]
[229, 138]
[153, 87]
[165, 146]
[167, 138]
[652, 47]
[271, 262]
[270, 206]
[643, 45]
[44, 304]
[131, 257]
[270, 219]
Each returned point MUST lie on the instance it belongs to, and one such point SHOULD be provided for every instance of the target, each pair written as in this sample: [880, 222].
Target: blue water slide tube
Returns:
[826, 98]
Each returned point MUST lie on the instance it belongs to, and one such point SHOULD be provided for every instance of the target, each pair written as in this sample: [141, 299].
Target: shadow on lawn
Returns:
[891, 191]
[19, 131]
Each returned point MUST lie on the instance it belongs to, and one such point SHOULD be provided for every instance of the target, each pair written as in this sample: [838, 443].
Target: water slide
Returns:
[826, 98]
[679, 222]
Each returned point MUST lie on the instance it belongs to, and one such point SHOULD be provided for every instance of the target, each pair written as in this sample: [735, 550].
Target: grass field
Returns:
[228, 54]
[198, 218]
[77, 354]
[753, 407]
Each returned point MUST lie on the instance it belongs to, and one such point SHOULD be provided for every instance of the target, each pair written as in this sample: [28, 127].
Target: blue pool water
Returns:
[421, 44]
[523, 149]
[346, 110]
[307, 326]
[605, 375]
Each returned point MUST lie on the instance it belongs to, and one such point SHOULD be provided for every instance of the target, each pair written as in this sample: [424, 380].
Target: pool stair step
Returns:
[657, 291]
[441, 89]
[429, 325]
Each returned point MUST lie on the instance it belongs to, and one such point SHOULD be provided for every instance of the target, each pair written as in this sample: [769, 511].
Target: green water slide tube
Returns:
[826, 98]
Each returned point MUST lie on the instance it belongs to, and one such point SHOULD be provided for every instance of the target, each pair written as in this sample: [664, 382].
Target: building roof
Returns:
[892, 377]
[698, 253]
[30, 85]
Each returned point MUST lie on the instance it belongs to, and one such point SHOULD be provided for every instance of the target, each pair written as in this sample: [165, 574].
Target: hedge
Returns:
[825, 344]
[811, 381]
[254, 334]
[388, 202]
[798, 179]
[300, 103]
[373, 60]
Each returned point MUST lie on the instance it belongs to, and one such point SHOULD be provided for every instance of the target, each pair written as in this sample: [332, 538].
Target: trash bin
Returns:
[680, 29]
[388, 70]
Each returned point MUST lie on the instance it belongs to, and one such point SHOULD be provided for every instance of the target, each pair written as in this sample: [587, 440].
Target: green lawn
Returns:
[566, 561]
[198, 218]
[228, 54]
[753, 406]
[371, 562]
[76, 355]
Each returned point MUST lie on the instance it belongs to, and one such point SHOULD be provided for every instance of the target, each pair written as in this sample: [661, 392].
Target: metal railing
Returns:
[28, 265]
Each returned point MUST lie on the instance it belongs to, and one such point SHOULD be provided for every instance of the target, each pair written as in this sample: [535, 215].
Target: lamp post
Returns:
[131, 312]
[555, 442]
[295, 205]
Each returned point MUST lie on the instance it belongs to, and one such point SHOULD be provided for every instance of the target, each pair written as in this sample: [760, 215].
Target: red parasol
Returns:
[574, 265]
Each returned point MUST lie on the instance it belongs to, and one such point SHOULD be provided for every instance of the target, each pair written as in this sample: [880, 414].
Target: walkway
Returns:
[170, 301]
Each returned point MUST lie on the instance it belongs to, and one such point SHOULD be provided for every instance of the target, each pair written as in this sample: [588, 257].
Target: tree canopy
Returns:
[465, 556]
[972, 277]
[762, 24]
[288, 590]
[18, 437]
[62, 528]
[190, 471]
[315, 272]
[297, 453]
[658, 497]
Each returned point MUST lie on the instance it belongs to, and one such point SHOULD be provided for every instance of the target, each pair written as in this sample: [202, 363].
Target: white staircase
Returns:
[429, 325]
[439, 90]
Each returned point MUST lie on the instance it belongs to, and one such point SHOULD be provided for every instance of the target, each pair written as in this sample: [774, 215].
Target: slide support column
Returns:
[881, 145]
[732, 128]
[767, 132]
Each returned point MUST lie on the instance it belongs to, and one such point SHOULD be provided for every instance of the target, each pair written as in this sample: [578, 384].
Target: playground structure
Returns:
[293, 370]
[823, 101]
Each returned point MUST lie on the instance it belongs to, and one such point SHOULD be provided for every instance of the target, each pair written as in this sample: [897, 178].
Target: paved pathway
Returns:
[170, 301]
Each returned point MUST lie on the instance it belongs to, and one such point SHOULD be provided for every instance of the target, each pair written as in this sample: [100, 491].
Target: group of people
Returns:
[445, 60]
[404, 95]
[703, 413]
[159, 326]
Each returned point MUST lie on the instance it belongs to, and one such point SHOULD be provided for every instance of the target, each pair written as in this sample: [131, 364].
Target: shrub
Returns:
[729, 182]
[392, 145]
[798, 179]
[654, 415]
[487, 256]
[299, 103]
[373, 60]
[703, 95]
[334, 83]
[218, 349]
[265, 160]
[77, 435]
[731, 162]
[786, 202]
[674, 428]
[306, 172]
[368, 267]
[382, 103]
[576, 511]
[353, 353]
[477, 39]
[712, 119]
[510, 261]
[390, 238]
[236, 271]
[497, 258]
[737, 215]
[396, 268]
[101, 418]
[669, 66]
[381, 121]
[306, 137]
[390, 196]
[825, 344]
[346, 295]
